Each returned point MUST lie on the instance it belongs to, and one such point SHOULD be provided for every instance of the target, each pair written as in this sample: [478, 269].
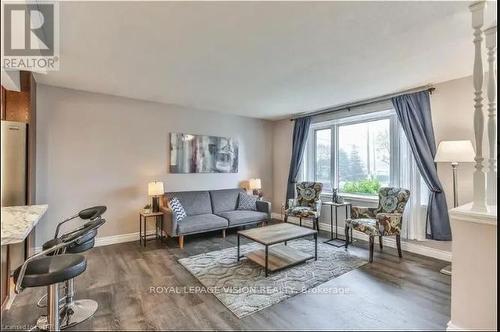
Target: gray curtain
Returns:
[414, 113]
[300, 132]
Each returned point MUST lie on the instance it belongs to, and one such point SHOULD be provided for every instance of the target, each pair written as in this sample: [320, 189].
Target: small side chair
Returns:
[384, 220]
[307, 204]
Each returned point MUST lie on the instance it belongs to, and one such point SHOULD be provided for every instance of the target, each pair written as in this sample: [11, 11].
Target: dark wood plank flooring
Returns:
[388, 294]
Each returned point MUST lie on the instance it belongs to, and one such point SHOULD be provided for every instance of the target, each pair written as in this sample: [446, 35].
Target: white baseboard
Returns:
[112, 239]
[414, 248]
[452, 327]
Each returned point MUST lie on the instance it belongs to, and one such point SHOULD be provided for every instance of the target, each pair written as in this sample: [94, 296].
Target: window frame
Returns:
[309, 165]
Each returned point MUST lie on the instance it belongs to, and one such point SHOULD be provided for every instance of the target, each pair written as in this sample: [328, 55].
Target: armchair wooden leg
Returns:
[346, 230]
[181, 241]
[398, 244]
[372, 241]
[380, 242]
[286, 218]
[223, 233]
[300, 221]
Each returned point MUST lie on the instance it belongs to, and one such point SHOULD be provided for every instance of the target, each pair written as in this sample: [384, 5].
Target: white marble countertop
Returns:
[18, 221]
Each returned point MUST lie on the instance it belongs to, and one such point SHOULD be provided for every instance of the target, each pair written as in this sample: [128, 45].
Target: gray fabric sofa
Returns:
[209, 211]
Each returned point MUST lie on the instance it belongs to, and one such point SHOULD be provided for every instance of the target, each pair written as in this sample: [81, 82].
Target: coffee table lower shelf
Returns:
[279, 257]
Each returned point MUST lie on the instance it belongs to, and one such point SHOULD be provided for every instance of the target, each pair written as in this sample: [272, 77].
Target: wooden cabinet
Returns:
[20, 106]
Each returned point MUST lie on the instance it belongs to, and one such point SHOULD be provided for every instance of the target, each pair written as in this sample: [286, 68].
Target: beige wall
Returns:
[99, 149]
[452, 108]
[282, 151]
[452, 116]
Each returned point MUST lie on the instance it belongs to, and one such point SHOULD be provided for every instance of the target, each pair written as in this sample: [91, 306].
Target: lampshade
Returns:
[254, 184]
[155, 188]
[455, 152]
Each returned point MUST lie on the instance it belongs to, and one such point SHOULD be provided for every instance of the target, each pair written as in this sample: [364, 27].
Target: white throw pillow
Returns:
[177, 209]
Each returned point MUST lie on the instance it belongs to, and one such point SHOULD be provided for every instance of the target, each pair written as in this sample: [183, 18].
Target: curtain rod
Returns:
[363, 102]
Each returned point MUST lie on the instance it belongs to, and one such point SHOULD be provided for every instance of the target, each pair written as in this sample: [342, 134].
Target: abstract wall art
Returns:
[203, 154]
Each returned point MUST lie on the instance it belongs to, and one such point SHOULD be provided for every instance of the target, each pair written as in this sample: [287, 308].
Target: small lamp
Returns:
[455, 152]
[256, 186]
[155, 189]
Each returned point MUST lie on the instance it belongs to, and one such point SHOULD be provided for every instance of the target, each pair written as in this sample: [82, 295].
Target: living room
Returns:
[249, 166]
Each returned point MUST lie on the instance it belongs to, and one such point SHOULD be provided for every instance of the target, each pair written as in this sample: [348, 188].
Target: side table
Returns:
[143, 235]
[337, 241]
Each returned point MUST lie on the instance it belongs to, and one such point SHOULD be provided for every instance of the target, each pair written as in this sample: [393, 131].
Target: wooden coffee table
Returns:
[279, 256]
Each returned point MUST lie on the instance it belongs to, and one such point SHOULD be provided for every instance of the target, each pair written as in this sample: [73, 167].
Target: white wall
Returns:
[99, 149]
[452, 114]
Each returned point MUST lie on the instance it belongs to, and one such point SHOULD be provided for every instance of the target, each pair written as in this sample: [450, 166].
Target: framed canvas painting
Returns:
[203, 154]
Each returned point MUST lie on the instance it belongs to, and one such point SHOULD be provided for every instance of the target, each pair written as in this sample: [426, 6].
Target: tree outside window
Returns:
[364, 157]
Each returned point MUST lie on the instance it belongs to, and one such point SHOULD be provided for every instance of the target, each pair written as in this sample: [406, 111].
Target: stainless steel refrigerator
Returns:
[13, 181]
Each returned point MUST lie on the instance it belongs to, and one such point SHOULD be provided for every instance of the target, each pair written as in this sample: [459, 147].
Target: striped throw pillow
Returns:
[177, 209]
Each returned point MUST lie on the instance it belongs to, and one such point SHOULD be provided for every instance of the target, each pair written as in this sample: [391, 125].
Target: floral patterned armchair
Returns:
[384, 220]
[307, 204]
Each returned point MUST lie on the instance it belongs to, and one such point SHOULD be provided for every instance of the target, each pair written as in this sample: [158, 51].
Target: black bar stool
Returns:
[76, 311]
[46, 269]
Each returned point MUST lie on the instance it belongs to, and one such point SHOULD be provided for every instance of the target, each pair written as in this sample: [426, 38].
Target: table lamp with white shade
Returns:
[256, 186]
[455, 152]
[155, 189]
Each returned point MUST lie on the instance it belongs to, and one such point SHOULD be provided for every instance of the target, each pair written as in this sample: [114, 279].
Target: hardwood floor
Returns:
[388, 294]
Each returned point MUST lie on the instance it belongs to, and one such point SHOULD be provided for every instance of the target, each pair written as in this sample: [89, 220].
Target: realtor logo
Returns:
[30, 36]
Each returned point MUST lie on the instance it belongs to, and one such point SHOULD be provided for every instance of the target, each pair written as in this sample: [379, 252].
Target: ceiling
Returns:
[265, 60]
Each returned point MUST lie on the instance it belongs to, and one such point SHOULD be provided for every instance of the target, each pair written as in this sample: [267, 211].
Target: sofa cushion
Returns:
[193, 202]
[239, 217]
[201, 223]
[224, 200]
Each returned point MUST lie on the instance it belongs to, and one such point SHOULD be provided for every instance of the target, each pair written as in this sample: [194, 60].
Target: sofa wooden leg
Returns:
[380, 242]
[372, 240]
[346, 230]
[286, 218]
[181, 241]
[223, 233]
[398, 244]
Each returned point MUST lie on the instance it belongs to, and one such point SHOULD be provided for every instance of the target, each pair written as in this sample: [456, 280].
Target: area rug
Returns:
[242, 286]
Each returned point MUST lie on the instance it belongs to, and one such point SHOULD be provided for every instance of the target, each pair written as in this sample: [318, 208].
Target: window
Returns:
[323, 151]
[364, 156]
[356, 154]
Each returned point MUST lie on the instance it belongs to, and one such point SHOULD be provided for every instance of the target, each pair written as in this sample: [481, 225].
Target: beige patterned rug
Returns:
[242, 286]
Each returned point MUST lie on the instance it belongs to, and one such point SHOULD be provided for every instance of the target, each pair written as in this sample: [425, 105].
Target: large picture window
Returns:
[356, 154]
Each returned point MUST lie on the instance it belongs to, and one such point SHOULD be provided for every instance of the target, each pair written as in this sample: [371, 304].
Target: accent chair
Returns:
[384, 220]
[307, 204]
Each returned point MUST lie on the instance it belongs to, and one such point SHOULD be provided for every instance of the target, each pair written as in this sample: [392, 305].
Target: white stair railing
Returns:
[479, 202]
[491, 175]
